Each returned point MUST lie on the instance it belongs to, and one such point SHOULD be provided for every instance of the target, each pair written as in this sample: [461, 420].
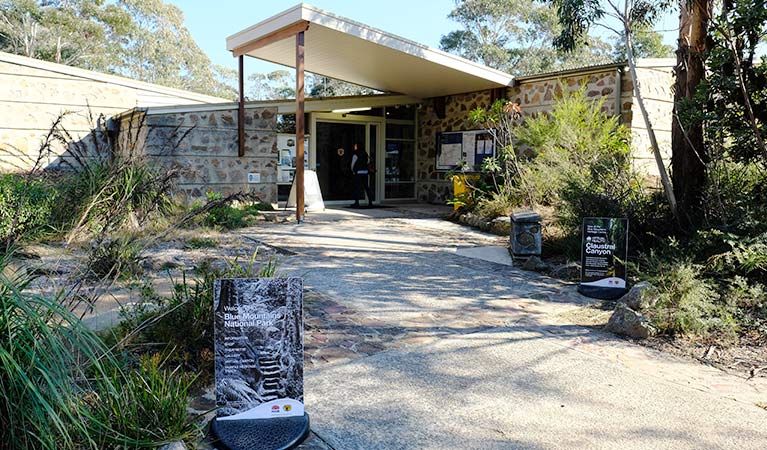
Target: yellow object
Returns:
[461, 187]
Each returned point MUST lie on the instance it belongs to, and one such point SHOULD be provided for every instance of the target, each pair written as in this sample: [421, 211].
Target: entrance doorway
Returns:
[335, 141]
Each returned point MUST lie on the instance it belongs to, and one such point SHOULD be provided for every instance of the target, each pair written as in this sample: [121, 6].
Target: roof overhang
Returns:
[341, 48]
[288, 106]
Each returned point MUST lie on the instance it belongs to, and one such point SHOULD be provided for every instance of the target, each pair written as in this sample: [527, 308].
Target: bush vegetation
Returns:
[25, 207]
[62, 386]
[229, 216]
[576, 162]
[156, 328]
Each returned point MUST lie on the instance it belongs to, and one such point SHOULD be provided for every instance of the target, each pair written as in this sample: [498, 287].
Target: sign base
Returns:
[278, 433]
[602, 293]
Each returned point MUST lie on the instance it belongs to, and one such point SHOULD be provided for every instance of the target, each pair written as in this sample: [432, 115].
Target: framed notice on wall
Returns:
[458, 148]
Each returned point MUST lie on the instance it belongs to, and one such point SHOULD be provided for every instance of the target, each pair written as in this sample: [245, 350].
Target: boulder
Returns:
[569, 271]
[642, 296]
[534, 264]
[627, 322]
[162, 261]
[501, 226]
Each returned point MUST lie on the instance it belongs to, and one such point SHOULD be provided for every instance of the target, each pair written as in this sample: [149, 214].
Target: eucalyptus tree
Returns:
[141, 39]
[74, 32]
[515, 36]
[622, 17]
[648, 43]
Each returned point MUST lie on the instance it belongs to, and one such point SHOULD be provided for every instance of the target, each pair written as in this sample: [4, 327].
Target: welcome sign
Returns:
[603, 254]
[259, 348]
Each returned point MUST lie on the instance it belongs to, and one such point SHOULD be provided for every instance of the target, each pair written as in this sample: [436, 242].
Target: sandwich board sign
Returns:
[259, 348]
[604, 249]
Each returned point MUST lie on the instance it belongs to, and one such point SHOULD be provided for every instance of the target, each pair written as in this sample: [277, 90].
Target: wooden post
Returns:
[300, 127]
[241, 111]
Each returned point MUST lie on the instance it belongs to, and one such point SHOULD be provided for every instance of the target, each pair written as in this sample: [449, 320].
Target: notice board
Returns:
[469, 148]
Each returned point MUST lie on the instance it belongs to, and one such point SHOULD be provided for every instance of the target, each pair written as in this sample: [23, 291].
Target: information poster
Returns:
[484, 148]
[463, 147]
[603, 254]
[259, 348]
[449, 151]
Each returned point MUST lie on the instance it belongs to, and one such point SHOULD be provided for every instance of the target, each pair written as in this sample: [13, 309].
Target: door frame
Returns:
[354, 119]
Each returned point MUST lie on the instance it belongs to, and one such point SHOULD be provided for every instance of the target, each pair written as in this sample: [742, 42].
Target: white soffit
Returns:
[351, 51]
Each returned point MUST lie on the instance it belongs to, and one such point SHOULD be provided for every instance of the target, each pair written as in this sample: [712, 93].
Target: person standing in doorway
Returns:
[360, 173]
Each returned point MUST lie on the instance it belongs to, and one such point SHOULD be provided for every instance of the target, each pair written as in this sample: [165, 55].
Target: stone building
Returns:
[407, 132]
[537, 94]
[34, 93]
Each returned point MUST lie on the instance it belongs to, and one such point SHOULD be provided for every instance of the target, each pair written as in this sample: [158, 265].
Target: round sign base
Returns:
[602, 293]
[279, 433]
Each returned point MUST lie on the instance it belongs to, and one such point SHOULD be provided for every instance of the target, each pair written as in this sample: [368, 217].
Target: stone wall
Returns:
[656, 85]
[202, 147]
[34, 93]
[537, 94]
[431, 185]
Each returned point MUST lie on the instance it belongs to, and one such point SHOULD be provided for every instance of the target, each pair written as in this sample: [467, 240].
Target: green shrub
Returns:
[191, 304]
[25, 206]
[735, 197]
[102, 196]
[750, 304]
[743, 256]
[150, 404]
[688, 301]
[48, 363]
[200, 242]
[115, 258]
[575, 159]
[231, 217]
[575, 146]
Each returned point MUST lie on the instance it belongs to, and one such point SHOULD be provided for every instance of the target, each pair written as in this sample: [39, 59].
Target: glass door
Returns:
[333, 138]
[334, 145]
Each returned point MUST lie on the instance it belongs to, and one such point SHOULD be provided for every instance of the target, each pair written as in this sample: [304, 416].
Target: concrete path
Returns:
[493, 363]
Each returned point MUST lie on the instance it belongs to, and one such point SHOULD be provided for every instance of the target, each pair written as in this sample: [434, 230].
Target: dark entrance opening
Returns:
[335, 142]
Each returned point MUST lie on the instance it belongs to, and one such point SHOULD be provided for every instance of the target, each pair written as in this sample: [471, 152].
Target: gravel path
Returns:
[411, 345]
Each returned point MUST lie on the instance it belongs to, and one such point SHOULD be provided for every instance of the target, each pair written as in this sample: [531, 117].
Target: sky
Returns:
[210, 23]
[424, 21]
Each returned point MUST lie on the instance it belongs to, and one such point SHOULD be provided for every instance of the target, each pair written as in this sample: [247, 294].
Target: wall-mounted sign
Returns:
[604, 249]
[455, 149]
[259, 348]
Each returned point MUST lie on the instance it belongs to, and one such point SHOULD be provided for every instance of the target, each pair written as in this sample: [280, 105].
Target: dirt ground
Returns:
[333, 332]
[746, 358]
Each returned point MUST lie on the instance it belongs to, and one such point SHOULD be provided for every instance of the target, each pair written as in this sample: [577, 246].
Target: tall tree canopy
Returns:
[647, 44]
[141, 39]
[624, 18]
[281, 84]
[515, 36]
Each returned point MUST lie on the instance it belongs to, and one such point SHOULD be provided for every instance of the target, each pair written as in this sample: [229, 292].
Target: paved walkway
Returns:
[414, 345]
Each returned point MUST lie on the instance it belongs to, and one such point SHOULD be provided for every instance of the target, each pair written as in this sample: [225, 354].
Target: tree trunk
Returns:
[688, 155]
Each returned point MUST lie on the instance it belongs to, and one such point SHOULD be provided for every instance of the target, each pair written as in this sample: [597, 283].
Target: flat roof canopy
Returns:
[357, 53]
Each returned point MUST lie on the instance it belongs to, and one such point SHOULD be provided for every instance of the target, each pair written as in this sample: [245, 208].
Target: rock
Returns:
[627, 322]
[501, 226]
[173, 446]
[642, 296]
[162, 261]
[569, 271]
[534, 264]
